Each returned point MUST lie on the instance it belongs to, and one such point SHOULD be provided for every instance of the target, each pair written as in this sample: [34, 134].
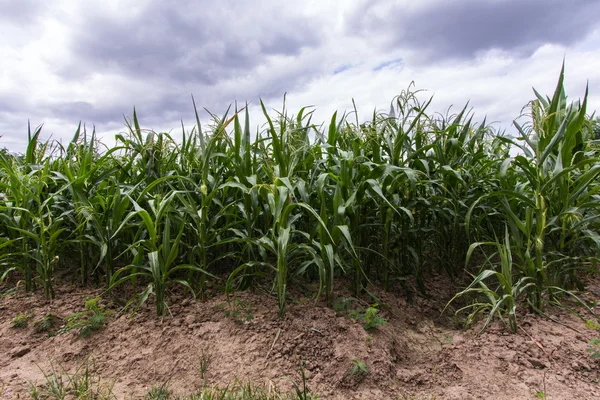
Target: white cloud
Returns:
[59, 66]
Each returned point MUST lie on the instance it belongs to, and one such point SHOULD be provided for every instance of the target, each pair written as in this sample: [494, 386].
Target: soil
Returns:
[420, 353]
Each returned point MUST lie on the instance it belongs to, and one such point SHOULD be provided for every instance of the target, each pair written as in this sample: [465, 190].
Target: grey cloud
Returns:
[178, 43]
[9, 103]
[21, 12]
[172, 49]
[461, 29]
[151, 112]
[82, 110]
[13, 130]
[175, 105]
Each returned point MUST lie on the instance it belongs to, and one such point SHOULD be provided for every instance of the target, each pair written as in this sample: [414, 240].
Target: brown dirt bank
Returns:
[417, 354]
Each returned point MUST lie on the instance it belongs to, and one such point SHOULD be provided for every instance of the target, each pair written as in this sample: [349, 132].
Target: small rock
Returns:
[536, 362]
[20, 351]
[136, 357]
[525, 362]
[584, 365]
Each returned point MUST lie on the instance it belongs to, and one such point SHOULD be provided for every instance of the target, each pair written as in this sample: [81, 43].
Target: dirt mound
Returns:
[416, 354]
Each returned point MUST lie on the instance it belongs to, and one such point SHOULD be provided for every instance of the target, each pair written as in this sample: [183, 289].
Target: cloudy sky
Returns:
[66, 61]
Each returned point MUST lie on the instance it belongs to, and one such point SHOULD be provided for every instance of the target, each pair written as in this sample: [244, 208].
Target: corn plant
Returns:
[547, 190]
[386, 200]
[500, 300]
[156, 249]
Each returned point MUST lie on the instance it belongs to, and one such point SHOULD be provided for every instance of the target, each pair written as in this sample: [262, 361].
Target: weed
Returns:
[158, 392]
[343, 305]
[240, 312]
[359, 368]
[22, 320]
[594, 348]
[81, 384]
[92, 319]
[542, 394]
[46, 324]
[301, 393]
[204, 363]
[371, 319]
[592, 324]
[368, 316]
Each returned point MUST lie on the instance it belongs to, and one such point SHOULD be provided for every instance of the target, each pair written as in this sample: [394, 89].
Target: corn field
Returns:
[386, 202]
